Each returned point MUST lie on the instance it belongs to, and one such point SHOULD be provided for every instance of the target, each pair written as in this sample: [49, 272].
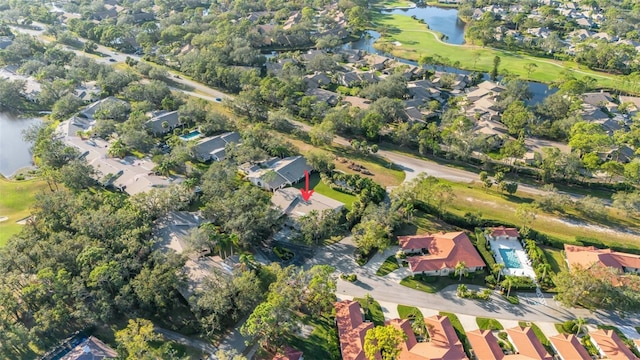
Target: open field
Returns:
[494, 205]
[418, 41]
[16, 198]
[388, 4]
[382, 174]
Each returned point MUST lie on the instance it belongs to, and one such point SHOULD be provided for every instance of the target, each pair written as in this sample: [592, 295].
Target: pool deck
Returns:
[522, 256]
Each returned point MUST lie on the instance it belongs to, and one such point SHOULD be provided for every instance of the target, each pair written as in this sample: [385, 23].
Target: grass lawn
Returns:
[382, 173]
[16, 198]
[374, 312]
[388, 4]
[390, 264]
[418, 41]
[501, 207]
[488, 324]
[433, 284]
[322, 343]
[324, 189]
[406, 312]
[421, 223]
[555, 258]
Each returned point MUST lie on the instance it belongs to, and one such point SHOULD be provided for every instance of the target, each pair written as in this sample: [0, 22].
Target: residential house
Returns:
[91, 109]
[591, 113]
[623, 154]
[588, 256]
[414, 115]
[502, 233]
[485, 345]
[277, 173]
[579, 35]
[351, 330]
[585, 22]
[492, 132]
[485, 88]
[358, 102]
[600, 99]
[316, 80]
[610, 345]
[633, 103]
[323, 95]
[637, 344]
[527, 344]
[91, 348]
[349, 79]
[311, 54]
[289, 354]
[295, 17]
[213, 148]
[163, 122]
[377, 62]
[541, 32]
[5, 41]
[88, 92]
[443, 342]
[568, 347]
[604, 37]
[289, 201]
[438, 254]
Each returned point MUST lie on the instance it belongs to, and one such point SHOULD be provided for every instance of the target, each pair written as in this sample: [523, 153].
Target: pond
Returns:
[15, 153]
[539, 91]
[442, 20]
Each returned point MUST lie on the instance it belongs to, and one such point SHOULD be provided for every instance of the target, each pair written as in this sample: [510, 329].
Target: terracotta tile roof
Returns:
[527, 343]
[569, 347]
[611, 344]
[587, 256]
[485, 345]
[289, 354]
[503, 231]
[637, 342]
[443, 344]
[445, 251]
[351, 330]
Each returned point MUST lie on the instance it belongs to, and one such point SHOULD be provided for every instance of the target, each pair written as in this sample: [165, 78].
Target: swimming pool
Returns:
[510, 259]
[190, 136]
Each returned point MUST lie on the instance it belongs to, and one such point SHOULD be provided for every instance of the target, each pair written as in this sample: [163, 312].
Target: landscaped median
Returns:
[389, 265]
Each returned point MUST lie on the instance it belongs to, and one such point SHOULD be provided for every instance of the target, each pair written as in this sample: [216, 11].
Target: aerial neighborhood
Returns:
[353, 179]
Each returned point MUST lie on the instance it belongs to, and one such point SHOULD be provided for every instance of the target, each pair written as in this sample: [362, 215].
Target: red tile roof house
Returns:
[485, 346]
[351, 330]
[587, 256]
[610, 345]
[503, 233]
[568, 347]
[527, 344]
[637, 342]
[289, 354]
[443, 344]
[439, 253]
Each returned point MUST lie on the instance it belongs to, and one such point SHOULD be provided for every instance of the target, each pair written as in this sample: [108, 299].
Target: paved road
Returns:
[181, 339]
[388, 289]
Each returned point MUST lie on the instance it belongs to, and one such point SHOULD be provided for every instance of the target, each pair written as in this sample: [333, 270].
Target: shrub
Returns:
[349, 277]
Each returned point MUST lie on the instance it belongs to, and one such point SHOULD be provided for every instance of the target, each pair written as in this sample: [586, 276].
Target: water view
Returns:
[442, 20]
[14, 151]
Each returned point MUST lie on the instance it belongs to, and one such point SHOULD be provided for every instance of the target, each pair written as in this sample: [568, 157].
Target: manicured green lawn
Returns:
[322, 343]
[555, 258]
[433, 284]
[374, 312]
[324, 189]
[488, 324]
[388, 4]
[16, 199]
[406, 312]
[389, 265]
[418, 41]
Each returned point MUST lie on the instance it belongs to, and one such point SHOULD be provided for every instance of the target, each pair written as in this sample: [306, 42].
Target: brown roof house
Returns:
[610, 345]
[503, 233]
[568, 347]
[588, 256]
[485, 346]
[527, 344]
[289, 354]
[351, 330]
[443, 342]
[438, 254]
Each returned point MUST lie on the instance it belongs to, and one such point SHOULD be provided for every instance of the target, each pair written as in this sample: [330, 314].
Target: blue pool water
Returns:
[190, 136]
[510, 259]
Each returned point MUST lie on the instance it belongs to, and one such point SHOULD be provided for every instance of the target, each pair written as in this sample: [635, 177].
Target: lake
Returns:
[539, 91]
[442, 20]
[15, 153]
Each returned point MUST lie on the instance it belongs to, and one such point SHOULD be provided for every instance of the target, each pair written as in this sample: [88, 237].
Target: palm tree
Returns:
[462, 290]
[544, 268]
[579, 325]
[246, 261]
[460, 269]
[497, 268]
[117, 149]
[419, 327]
[508, 283]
